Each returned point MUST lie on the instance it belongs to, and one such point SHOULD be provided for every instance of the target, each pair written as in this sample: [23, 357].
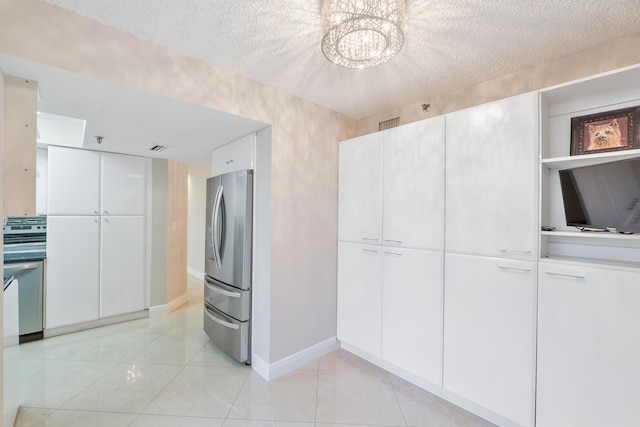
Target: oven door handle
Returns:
[9, 270]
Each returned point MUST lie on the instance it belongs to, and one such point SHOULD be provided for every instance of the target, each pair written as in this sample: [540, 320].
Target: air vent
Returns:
[158, 148]
[388, 124]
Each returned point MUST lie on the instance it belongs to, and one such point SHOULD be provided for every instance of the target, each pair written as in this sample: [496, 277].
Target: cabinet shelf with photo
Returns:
[589, 97]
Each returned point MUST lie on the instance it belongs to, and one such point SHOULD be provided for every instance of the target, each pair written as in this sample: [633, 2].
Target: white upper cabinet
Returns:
[413, 185]
[123, 184]
[360, 192]
[490, 334]
[588, 345]
[122, 265]
[492, 179]
[234, 156]
[73, 181]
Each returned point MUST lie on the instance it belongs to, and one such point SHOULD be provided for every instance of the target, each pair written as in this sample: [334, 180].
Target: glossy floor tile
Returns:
[162, 371]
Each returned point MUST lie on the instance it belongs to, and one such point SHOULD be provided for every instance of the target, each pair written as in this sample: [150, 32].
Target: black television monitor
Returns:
[603, 197]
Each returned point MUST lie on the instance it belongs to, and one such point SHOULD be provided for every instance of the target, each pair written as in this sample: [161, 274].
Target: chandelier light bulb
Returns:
[362, 33]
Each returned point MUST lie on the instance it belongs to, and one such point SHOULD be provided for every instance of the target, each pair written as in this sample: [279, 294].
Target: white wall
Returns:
[196, 217]
[1, 215]
[41, 181]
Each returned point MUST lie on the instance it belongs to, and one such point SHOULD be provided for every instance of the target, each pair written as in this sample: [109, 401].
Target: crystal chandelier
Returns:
[362, 33]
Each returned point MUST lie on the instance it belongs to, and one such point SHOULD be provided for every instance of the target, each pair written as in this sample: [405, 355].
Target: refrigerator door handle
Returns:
[220, 321]
[214, 227]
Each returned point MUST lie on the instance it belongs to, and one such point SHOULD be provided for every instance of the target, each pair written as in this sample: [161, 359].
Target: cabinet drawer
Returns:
[230, 335]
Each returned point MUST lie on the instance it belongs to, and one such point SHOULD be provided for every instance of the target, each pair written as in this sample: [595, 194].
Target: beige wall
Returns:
[158, 240]
[610, 56]
[20, 146]
[176, 263]
[2, 102]
[304, 151]
[197, 193]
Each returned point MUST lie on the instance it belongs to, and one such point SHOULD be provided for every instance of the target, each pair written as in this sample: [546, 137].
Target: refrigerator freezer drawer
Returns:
[230, 301]
[228, 334]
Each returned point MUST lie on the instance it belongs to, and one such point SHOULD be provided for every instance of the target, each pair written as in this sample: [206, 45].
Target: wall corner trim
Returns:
[271, 371]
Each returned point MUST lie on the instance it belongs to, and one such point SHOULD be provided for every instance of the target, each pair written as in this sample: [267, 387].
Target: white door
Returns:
[234, 156]
[489, 333]
[412, 311]
[588, 346]
[71, 287]
[73, 181]
[413, 185]
[123, 184]
[360, 190]
[359, 296]
[491, 179]
[122, 256]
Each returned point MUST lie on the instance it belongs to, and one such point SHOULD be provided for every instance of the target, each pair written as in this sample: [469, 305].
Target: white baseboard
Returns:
[174, 304]
[157, 309]
[271, 371]
[195, 273]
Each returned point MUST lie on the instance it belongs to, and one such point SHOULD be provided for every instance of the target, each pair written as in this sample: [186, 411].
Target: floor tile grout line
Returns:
[235, 399]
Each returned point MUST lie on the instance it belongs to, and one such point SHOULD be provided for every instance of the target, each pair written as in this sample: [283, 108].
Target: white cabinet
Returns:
[123, 184]
[588, 346]
[413, 185]
[489, 333]
[73, 181]
[412, 311]
[360, 296]
[492, 179]
[96, 252]
[122, 265]
[360, 190]
[72, 284]
[234, 156]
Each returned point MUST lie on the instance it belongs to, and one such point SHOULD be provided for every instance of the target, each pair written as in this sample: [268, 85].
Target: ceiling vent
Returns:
[388, 124]
[158, 148]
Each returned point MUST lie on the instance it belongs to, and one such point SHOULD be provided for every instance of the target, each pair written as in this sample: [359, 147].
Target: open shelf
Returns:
[589, 159]
[592, 235]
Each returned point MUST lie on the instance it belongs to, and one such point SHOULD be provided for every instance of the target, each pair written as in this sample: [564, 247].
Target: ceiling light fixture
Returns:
[362, 33]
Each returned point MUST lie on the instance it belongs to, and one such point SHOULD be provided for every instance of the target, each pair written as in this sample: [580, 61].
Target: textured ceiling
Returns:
[448, 43]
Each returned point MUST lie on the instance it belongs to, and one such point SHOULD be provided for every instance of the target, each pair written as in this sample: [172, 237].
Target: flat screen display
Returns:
[603, 197]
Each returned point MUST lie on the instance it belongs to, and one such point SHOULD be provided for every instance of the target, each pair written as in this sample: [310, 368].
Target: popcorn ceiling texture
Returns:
[449, 44]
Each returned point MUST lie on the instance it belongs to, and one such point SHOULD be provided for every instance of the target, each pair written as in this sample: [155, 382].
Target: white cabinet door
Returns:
[492, 179]
[413, 185]
[412, 311]
[359, 296]
[234, 156]
[123, 184]
[489, 333]
[360, 190]
[122, 284]
[73, 181]
[71, 287]
[588, 346]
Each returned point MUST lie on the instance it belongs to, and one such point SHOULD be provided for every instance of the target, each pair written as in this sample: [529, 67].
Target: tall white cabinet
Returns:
[390, 247]
[491, 246]
[95, 236]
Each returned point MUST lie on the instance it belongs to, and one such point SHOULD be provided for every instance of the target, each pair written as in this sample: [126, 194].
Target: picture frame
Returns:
[603, 132]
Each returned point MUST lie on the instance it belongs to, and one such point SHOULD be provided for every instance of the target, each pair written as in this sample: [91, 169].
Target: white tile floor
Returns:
[164, 372]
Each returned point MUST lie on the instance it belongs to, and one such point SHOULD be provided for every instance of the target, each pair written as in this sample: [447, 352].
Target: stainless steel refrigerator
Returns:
[227, 283]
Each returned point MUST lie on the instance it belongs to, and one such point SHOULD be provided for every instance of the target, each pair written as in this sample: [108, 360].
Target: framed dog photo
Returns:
[602, 132]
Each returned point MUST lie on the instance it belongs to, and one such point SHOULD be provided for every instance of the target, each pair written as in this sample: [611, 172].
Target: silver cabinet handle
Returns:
[96, 212]
[222, 291]
[573, 276]
[370, 251]
[515, 251]
[393, 241]
[393, 253]
[504, 267]
[220, 321]
[228, 162]
[106, 220]
[370, 239]
[106, 212]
